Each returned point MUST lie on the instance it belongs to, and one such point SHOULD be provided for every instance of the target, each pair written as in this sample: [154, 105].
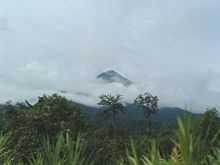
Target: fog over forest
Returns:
[169, 48]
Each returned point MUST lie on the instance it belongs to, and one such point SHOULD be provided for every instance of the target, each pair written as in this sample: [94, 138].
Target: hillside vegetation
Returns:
[57, 131]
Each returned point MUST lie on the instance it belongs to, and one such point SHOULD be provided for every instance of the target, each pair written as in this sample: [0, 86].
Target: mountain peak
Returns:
[112, 76]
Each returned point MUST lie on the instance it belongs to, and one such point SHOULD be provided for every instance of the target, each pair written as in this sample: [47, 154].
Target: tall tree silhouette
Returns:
[149, 104]
[112, 106]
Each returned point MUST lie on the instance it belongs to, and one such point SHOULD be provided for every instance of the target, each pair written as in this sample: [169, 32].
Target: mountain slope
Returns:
[133, 118]
[112, 76]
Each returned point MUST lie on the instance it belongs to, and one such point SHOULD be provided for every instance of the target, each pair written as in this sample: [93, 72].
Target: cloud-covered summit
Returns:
[169, 48]
[111, 76]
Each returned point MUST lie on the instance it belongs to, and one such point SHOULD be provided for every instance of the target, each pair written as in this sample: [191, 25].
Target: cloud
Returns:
[3, 24]
[167, 47]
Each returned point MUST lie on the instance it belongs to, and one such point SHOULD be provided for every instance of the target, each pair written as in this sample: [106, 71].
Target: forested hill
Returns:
[132, 114]
[132, 118]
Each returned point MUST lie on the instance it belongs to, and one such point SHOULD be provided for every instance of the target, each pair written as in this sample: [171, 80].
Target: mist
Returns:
[169, 48]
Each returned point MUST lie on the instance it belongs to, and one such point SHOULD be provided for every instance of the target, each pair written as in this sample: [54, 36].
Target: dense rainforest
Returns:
[58, 131]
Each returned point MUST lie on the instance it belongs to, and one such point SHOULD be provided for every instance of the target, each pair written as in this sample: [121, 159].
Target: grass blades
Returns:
[65, 151]
[189, 148]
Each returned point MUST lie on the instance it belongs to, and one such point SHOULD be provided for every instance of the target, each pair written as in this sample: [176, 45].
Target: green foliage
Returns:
[149, 104]
[48, 117]
[5, 153]
[153, 157]
[209, 125]
[48, 133]
[205, 133]
[112, 107]
[107, 147]
[183, 152]
[214, 158]
[53, 114]
[186, 150]
[64, 151]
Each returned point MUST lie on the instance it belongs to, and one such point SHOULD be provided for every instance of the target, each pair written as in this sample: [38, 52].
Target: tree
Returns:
[56, 113]
[47, 118]
[112, 107]
[210, 122]
[149, 104]
[207, 132]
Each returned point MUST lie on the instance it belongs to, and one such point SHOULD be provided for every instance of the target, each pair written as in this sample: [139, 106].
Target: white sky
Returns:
[170, 48]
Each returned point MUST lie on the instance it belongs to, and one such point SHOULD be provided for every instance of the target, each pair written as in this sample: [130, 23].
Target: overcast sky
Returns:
[169, 48]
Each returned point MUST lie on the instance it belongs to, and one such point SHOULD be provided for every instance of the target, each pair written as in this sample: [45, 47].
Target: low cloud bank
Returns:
[169, 48]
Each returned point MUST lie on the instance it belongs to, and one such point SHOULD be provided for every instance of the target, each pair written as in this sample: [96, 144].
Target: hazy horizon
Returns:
[169, 48]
